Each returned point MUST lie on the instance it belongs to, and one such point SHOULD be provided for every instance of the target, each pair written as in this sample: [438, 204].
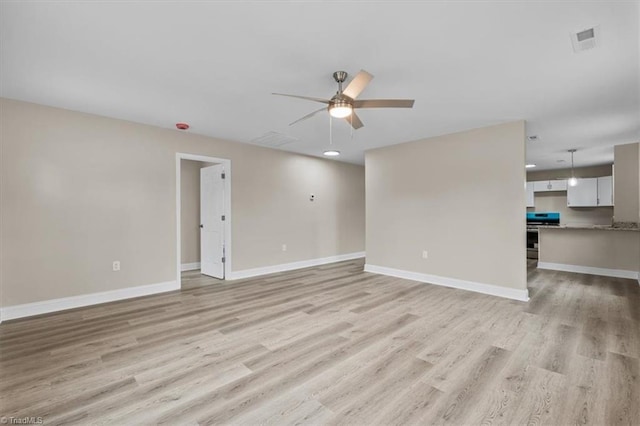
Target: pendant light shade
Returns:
[573, 181]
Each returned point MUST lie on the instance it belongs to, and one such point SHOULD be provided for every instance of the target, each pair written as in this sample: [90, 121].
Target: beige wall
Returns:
[459, 196]
[79, 191]
[556, 201]
[190, 210]
[591, 248]
[626, 183]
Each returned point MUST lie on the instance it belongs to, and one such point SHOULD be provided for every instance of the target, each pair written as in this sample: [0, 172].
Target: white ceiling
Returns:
[215, 64]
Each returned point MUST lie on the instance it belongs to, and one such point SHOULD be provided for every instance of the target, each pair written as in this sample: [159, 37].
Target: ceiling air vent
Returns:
[273, 139]
[585, 39]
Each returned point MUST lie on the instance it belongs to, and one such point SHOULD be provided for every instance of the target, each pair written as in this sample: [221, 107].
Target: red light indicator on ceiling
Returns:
[182, 126]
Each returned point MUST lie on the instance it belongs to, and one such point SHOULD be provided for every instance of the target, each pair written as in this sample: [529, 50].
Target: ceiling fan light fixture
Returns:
[340, 109]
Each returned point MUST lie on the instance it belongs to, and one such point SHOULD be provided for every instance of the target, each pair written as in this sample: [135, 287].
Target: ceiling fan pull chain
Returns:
[330, 131]
[351, 117]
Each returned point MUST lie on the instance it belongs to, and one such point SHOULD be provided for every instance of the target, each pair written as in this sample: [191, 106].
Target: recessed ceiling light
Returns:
[533, 138]
[530, 166]
[332, 153]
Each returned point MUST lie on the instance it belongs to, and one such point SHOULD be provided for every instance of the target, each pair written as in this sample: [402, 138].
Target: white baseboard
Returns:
[493, 290]
[616, 273]
[54, 305]
[248, 273]
[190, 266]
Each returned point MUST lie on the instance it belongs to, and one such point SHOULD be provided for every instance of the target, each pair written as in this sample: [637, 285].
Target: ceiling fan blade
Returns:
[308, 116]
[354, 120]
[358, 84]
[308, 98]
[384, 103]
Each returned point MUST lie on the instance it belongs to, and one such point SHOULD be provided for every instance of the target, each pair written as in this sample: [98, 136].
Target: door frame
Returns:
[226, 164]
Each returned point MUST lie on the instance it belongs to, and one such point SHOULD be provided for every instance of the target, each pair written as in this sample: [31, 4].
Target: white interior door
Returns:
[212, 221]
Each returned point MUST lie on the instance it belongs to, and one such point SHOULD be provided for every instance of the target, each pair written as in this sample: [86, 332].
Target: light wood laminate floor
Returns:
[334, 345]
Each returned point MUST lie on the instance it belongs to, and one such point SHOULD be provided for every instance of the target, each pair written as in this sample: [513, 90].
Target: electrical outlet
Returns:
[284, 247]
[116, 265]
[425, 254]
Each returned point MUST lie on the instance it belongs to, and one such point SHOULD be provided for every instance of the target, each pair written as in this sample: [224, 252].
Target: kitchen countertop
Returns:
[592, 227]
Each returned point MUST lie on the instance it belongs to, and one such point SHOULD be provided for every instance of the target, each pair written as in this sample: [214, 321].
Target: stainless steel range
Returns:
[534, 220]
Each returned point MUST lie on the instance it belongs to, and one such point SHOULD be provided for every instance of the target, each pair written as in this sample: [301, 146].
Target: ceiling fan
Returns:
[344, 102]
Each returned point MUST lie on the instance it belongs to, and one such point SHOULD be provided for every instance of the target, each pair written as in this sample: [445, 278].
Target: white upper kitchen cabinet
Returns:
[550, 185]
[605, 191]
[584, 194]
[530, 195]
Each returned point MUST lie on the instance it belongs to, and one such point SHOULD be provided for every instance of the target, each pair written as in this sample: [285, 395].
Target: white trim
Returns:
[247, 273]
[616, 273]
[55, 305]
[493, 290]
[227, 207]
[190, 266]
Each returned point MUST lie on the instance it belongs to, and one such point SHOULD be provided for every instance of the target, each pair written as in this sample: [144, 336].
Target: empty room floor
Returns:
[334, 345]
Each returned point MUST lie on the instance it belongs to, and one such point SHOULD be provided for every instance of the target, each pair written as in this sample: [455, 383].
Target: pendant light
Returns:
[572, 180]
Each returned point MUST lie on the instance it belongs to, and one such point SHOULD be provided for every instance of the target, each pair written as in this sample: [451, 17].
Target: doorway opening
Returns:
[203, 219]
